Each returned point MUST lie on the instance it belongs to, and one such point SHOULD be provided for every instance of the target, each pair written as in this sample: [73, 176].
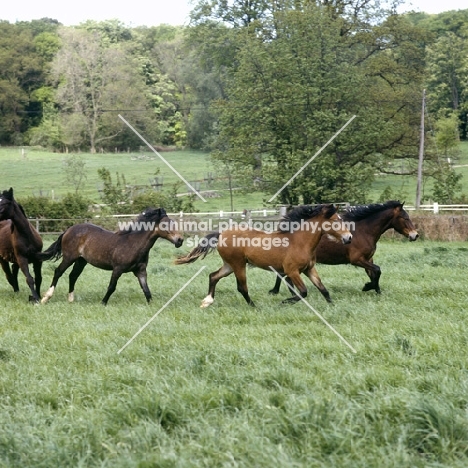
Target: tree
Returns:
[95, 80]
[22, 71]
[299, 79]
[75, 173]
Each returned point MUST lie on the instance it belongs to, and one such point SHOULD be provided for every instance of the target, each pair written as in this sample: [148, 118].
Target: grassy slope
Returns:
[235, 386]
[40, 170]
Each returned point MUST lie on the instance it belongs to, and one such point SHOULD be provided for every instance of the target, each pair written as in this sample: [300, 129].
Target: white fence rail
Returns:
[255, 214]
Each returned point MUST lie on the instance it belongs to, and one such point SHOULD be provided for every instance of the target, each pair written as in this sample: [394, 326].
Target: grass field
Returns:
[38, 172]
[232, 386]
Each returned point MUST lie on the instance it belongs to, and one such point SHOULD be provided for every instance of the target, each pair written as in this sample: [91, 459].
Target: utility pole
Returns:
[421, 154]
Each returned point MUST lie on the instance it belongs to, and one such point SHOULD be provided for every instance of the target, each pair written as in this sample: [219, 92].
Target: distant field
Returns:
[35, 172]
[233, 386]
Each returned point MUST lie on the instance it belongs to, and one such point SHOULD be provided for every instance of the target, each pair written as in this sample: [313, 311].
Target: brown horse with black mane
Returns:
[19, 244]
[121, 252]
[370, 222]
[289, 251]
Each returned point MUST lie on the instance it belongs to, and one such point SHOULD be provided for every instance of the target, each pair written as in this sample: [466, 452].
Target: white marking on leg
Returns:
[71, 297]
[48, 295]
[207, 301]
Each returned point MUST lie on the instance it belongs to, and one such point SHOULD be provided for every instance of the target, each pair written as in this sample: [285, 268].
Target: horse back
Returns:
[99, 247]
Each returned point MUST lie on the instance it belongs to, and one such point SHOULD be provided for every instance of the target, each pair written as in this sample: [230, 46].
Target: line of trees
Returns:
[262, 85]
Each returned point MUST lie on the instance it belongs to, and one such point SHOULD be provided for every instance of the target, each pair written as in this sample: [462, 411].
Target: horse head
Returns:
[165, 226]
[334, 225]
[402, 223]
[6, 204]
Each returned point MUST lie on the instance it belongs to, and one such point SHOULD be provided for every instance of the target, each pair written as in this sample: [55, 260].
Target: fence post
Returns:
[37, 225]
[436, 208]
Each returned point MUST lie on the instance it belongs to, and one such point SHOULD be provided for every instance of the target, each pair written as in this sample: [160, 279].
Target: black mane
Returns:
[148, 215]
[356, 213]
[304, 212]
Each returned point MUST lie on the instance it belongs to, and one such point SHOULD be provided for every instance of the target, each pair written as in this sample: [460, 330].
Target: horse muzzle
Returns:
[178, 241]
[347, 238]
[413, 235]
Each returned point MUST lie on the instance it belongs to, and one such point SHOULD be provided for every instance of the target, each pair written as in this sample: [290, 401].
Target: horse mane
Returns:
[149, 215]
[359, 212]
[304, 212]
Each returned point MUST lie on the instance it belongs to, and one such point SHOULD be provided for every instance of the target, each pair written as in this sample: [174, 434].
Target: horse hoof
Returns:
[273, 292]
[206, 302]
[368, 287]
[290, 300]
[33, 300]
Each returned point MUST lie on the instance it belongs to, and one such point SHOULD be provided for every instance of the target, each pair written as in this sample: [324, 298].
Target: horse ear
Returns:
[329, 210]
[9, 194]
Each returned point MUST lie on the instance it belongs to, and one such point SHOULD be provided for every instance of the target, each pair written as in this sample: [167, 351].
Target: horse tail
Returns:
[54, 252]
[206, 245]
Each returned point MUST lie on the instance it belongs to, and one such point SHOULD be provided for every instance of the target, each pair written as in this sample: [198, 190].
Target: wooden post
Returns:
[421, 154]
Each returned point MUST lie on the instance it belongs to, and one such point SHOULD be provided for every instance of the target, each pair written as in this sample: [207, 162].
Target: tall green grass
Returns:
[235, 386]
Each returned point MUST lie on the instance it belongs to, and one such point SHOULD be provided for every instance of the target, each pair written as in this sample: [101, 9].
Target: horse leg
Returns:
[24, 266]
[295, 278]
[9, 275]
[315, 278]
[224, 271]
[277, 285]
[14, 276]
[59, 271]
[78, 268]
[142, 277]
[241, 278]
[116, 274]
[373, 271]
[37, 267]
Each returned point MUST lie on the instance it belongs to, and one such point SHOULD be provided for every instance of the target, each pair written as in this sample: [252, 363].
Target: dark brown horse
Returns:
[124, 251]
[290, 251]
[19, 244]
[370, 222]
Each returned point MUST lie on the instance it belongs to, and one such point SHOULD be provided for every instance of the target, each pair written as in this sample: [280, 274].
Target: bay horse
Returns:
[123, 251]
[370, 222]
[287, 251]
[19, 244]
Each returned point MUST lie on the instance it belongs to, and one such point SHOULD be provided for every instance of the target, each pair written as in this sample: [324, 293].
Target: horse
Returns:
[19, 244]
[289, 251]
[123, 251]
[370, 222]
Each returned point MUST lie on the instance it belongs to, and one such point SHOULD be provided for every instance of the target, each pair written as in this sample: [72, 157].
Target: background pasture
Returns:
[37, 171]
[235, 386]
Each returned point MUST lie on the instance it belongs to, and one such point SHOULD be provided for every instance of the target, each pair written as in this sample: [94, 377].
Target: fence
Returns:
[56, 226]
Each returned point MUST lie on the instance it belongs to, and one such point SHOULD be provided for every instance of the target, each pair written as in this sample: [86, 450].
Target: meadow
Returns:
[38, 172]
[234, 386]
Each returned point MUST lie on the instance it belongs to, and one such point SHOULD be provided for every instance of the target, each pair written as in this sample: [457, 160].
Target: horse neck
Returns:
[21, 223]
[376, 225]
[307, 239]
[145, 238]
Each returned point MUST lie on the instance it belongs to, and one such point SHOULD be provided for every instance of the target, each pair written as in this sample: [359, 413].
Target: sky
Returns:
[147, 13]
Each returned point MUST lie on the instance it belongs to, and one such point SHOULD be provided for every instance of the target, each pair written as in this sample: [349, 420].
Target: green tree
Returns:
[95, 81]
[22, 71]
[299, 79]
[447, 183]
[75, 172]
